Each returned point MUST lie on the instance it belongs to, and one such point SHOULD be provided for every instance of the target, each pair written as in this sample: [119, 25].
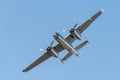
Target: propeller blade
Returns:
[41, 49]
[51, 43]
[75, 25]
[64, 30]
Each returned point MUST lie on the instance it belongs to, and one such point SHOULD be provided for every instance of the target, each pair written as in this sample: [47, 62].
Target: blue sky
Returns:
[28, 25]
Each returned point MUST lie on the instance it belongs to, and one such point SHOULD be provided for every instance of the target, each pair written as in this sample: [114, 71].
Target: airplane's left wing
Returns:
[38, 61]
[85, 25]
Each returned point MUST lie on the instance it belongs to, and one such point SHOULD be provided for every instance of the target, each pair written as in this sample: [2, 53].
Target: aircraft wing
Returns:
[38, 61]
[85, 25]
[44, 57]
[76, 48]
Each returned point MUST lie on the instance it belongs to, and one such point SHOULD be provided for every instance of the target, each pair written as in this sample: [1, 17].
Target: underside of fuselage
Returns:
[64, 43]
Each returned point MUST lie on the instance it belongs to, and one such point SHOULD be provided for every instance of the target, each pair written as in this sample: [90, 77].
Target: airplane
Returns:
[75, 33]
[50, 51]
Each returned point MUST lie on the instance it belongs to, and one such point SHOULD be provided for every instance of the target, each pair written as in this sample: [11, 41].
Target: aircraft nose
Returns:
[55, 35]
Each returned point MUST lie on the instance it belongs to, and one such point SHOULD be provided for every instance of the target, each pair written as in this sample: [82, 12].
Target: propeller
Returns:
[65, 30]
[49, 47]
[71, 30]
[51, 43]
[41, 49]
[75, 25]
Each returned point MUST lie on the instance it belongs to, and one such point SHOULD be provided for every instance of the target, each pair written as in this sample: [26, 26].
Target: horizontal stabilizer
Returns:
[76, 48]
[81, 45]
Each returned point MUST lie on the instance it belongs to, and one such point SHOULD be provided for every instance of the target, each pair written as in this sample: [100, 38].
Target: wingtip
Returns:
[24, 71]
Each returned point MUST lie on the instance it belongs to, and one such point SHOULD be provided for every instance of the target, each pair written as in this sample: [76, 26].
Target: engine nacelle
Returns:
[54, 53]
[75, 34]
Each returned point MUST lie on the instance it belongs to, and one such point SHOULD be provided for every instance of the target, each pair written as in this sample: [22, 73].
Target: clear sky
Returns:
[28, 25]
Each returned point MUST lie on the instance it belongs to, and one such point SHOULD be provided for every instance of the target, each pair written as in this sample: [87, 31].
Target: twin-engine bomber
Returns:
[65, 43]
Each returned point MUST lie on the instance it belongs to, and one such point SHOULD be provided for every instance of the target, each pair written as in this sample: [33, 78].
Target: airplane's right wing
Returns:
[85, 25]
[38, 61]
